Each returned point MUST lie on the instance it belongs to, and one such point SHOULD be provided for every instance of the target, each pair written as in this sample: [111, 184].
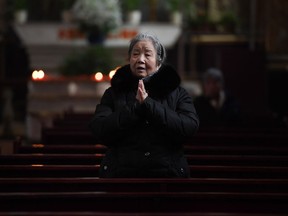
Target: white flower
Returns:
[104, 14]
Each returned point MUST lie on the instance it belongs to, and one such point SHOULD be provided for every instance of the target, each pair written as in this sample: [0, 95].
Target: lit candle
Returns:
[35, 75]
[98, 76]
[38, 75]
[112, 72]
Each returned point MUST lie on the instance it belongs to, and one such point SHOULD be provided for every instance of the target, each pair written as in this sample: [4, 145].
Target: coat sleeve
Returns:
[183, 120]
[107, 124]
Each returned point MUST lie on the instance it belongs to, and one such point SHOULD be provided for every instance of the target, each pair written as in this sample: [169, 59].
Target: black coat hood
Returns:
[161, 83]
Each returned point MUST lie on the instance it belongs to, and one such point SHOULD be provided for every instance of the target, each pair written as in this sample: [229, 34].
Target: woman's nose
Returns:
[141, 58]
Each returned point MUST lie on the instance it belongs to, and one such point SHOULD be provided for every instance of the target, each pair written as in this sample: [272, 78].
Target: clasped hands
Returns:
[141, 92]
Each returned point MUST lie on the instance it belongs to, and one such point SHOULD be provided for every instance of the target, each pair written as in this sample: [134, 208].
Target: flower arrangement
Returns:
[97, 15]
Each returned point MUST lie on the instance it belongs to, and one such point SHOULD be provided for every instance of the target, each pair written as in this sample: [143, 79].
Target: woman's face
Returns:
[143, 59]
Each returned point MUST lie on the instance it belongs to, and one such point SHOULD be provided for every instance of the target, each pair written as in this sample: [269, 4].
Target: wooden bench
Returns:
[95, 213]
[233, 173]
[214, 149]
[64, 135]
[145, 202]
[67, 136]
[78, 184]
[40, 170]
[61, 149]
[56, 159]
[230, 149]
[238, 160]
[72, 120]
[197, 159]
[197, 171]
[238, 138]
[208, 171]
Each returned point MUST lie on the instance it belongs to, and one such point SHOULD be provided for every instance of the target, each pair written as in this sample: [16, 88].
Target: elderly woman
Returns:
[145, 116]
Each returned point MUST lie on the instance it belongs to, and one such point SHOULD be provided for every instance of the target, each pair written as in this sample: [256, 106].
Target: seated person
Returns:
[215, 107]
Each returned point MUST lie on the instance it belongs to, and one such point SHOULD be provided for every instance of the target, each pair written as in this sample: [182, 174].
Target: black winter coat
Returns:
[144, 140]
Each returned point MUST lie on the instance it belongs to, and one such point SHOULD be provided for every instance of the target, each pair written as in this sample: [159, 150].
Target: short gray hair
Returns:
[215, 74]
[160, 49]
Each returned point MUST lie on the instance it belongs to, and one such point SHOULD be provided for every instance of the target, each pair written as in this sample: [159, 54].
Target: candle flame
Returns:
[38, 75]
[98, 76]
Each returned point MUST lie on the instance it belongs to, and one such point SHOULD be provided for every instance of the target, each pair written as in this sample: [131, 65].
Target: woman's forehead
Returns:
[146, 44]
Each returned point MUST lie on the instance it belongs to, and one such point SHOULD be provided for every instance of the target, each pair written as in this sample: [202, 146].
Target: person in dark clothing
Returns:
[145, 116]
[16, 71]
[216, 107]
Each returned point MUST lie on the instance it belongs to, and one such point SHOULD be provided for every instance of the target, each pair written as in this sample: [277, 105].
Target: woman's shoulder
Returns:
[180, 94]
[181, 90]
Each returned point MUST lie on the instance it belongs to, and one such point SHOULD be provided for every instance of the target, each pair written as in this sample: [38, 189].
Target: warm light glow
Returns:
[112, 72]
[38, 146]
[38, 75]
[98, 76]
[41, 74]
[37, 165]
[35, 75]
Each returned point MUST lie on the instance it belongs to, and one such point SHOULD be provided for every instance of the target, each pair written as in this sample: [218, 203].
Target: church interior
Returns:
[55, 66]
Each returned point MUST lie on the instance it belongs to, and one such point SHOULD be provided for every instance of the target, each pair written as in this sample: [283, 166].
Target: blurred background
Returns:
[56, 55]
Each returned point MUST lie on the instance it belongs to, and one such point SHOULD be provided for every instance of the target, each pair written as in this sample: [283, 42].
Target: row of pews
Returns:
[234, 172]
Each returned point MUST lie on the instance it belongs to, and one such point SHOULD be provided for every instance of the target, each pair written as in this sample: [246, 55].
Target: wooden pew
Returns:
[94, 159]
[60, 149]
[145, 202]
[60, 135]
[40, 170]
[238, 160]
[230, 149]
[85, 213]
[72, 120]
[235, 172]
[238, 138]
[67, 136]
[56, 159]
[78, 184]
[238, 172]
[214, 149]
[197, 171]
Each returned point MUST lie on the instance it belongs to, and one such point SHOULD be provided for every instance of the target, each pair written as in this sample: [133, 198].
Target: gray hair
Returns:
[160, 49]
[215, 74]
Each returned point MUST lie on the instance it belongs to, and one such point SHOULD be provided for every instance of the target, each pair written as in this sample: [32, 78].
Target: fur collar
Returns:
[159, 84]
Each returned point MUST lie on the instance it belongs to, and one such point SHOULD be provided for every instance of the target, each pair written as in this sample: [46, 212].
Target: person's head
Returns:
[146, 54]
[213, 82]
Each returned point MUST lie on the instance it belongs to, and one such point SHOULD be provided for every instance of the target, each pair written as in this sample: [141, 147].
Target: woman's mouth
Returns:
[140, 69]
